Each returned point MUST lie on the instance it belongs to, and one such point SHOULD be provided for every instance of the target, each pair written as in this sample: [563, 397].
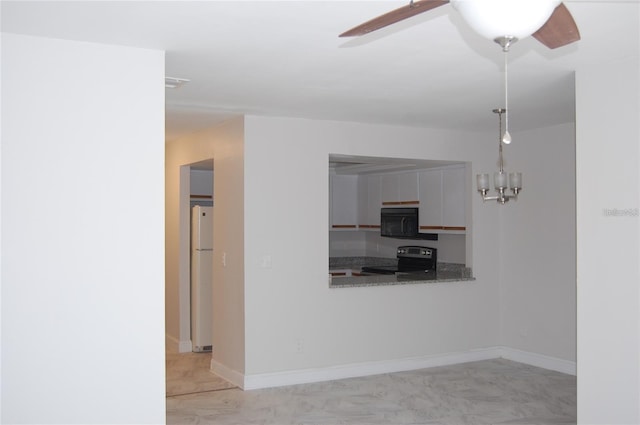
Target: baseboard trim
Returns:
[539, 360]
[305, 376]
[180, 346]
[233, 376]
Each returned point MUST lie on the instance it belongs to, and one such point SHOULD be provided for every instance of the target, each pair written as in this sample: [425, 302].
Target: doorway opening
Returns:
[188, 364]
[196, 191]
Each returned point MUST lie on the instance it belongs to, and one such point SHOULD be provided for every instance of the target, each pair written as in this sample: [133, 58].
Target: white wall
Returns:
[82, 282]
[607, 117]
[224, 143]
[538, 245]
[348, 244]
[293, 319]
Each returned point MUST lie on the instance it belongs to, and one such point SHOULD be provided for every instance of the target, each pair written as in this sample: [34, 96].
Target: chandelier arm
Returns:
[501, 198]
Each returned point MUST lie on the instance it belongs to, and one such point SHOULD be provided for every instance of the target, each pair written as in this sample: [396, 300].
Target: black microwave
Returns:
[399, 223]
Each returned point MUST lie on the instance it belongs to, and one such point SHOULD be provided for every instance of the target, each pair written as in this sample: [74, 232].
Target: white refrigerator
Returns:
[201, 278]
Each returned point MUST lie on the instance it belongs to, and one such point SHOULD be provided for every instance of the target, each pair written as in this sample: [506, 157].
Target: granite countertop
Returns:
[445, 272]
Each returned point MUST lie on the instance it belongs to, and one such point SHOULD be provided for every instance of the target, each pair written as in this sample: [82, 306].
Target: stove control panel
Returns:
[416, 252]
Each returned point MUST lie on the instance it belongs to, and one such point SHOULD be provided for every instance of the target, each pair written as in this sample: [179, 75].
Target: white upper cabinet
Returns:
[399, 189]
[439, 193]
[442, 199]
[453, 198]
[369, 201]
[343, 205]
[430, 187]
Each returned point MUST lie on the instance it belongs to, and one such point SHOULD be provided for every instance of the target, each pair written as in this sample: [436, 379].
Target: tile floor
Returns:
[486, 392]
[189, 373]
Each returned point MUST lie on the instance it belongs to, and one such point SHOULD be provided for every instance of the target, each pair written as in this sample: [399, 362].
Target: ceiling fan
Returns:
[549, 21]
[503, 21]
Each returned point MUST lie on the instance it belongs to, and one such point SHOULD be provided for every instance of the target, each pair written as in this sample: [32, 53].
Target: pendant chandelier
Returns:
[500, 176]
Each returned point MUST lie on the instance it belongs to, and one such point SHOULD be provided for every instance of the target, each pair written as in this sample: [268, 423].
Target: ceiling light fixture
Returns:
[500, 177]
[174, 83]
[549, 21]
[505, 18]
[505, 22]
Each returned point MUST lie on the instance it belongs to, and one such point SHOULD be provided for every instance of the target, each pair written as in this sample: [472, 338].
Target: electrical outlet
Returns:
[267, 262]
[224, 259]
[299, 345]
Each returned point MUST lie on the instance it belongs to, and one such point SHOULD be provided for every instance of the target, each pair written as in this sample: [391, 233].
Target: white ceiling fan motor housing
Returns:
[505, 18]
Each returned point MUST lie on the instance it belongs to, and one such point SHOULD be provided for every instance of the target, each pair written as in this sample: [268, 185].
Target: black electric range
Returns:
[411, 259]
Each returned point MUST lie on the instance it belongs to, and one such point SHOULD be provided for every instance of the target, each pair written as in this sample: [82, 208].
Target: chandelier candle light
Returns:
[500, 177]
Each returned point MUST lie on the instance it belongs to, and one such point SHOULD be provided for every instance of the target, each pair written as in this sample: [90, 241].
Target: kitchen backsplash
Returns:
[451, 247]
[358, 261]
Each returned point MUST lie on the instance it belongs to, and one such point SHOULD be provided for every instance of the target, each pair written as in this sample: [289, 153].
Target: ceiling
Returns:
[355, 165]
[285, 59]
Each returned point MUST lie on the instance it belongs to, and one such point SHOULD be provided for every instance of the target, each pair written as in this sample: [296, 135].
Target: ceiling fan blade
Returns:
[397, 15]
[559, 30]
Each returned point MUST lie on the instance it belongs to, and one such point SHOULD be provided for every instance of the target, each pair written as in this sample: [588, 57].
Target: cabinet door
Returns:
[430, 187]
[389, 188]
[408, 188]
[399, 188]
[344, 202]
[453, 198]
[374, 201]
[369, 201]
[363, 201]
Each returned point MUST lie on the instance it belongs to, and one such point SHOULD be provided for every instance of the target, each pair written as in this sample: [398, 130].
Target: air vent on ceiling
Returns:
[174, 83]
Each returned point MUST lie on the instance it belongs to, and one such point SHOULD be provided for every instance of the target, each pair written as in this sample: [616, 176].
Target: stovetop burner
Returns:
[380, 269]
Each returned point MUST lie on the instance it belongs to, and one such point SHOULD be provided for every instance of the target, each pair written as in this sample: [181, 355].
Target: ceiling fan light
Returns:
[499, 18]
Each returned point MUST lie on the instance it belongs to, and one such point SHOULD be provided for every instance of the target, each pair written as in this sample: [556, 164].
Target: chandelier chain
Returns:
[501, 161]
[506, 92]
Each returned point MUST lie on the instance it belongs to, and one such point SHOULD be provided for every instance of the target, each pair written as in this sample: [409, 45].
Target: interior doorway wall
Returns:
[224, 143]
